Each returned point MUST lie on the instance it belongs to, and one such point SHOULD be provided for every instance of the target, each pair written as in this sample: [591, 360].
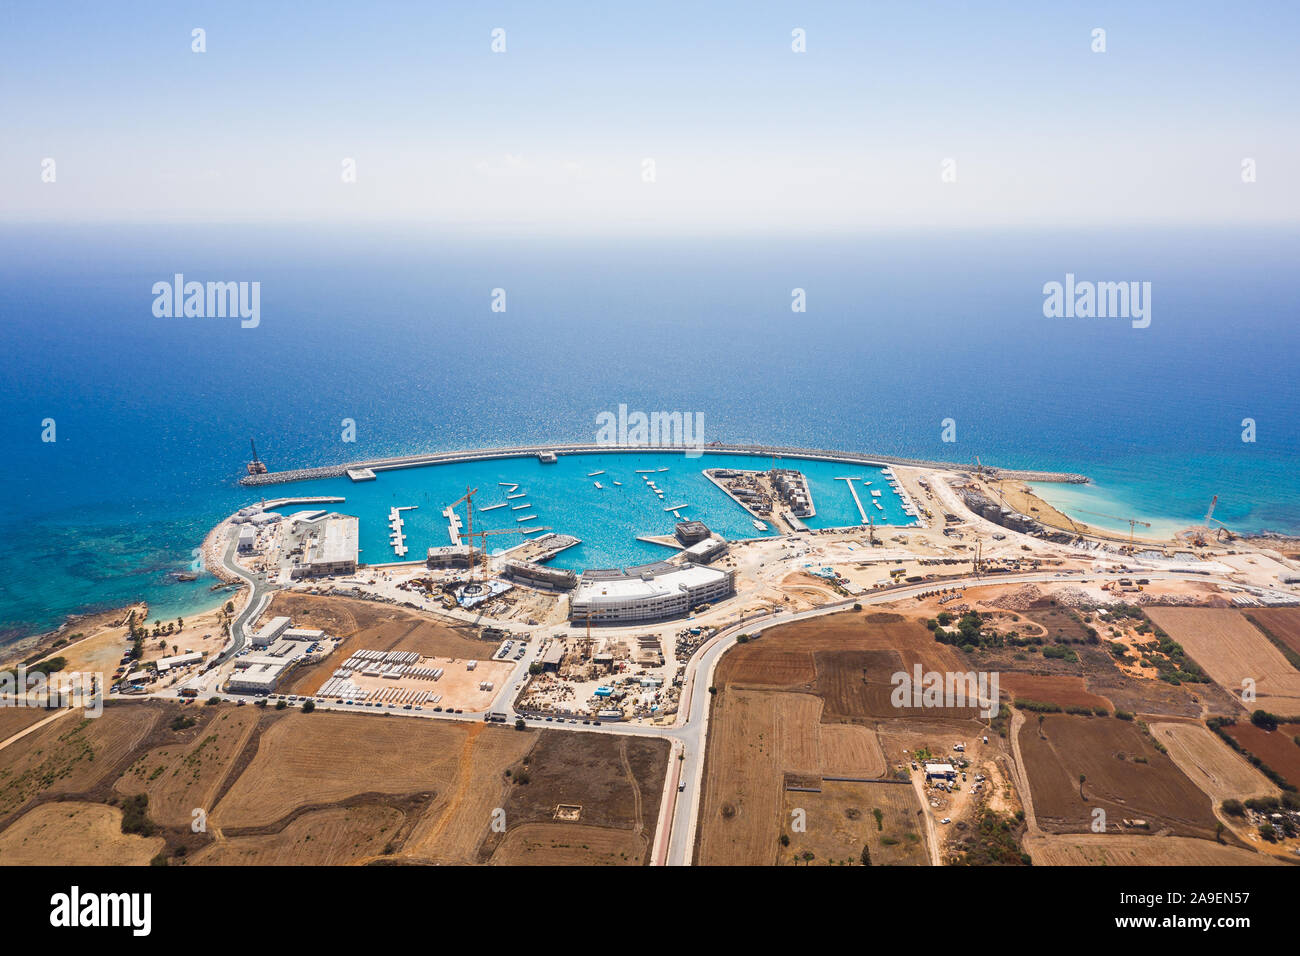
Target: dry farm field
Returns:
[1233, 651]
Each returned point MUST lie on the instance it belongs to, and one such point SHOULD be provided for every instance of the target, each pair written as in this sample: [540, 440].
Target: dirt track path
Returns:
[463, 766]
[34, 727]
[636, 788]
[1022, 777]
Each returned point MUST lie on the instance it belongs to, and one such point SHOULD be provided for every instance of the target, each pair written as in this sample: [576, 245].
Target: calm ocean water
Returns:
[395, 332]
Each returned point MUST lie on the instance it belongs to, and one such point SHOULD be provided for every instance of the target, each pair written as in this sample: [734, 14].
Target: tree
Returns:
[180, 624]
[866, 855]
[230, 607]
[1082, 778]
[308, 706]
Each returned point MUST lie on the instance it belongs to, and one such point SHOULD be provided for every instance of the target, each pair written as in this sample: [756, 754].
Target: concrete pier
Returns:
[856, 500]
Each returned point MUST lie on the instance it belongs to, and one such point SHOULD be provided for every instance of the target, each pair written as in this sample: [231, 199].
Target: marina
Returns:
[608, 525]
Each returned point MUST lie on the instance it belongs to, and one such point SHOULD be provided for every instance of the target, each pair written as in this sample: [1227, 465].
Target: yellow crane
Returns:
[473, 561]
[471, 534]
[1132, 522]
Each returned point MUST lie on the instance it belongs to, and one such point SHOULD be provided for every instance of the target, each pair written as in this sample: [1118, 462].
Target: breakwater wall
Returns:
[755, 451]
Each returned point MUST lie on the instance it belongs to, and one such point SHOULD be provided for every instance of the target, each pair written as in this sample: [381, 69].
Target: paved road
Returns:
[259, 595]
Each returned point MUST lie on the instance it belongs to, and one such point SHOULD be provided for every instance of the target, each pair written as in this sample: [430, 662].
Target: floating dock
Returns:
[677, 507]
[518, 494]
[593, 474]
[527, 518]
[395, 537]
[492, 507]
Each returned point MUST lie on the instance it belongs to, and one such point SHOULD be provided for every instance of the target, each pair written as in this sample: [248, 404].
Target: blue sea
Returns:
[394, 330]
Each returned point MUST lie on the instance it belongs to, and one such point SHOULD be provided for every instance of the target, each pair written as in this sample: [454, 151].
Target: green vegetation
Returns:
[995, 841]
[182, 722]
[1264, 720]
[135, 815]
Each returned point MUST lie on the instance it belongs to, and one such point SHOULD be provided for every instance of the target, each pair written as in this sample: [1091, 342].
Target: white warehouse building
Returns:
[647, 593]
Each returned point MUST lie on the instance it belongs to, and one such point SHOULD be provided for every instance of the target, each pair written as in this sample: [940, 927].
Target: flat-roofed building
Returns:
[648, 593]
[247, 538]
[331, 548]
[165, 664]
[309, 634]
[270, 631]
[702, 552]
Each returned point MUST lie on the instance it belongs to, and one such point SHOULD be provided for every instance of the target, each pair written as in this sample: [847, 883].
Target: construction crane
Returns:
[473, 561]
[256, 466]
[1132, 522]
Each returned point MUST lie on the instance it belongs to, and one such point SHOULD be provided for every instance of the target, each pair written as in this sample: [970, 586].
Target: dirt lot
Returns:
[1231, 649]
[321, 758]
[1211, 764]
[1104, 849]
[841, 820]
[755, 737]
[1125, 776]
[569, 844]
[332, 837]
[189, 774]
[1277, 748]
[616, 780]
[70, 755]
[74, 834]
[372, 626]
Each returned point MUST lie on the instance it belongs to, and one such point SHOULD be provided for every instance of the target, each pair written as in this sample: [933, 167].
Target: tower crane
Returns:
[473, 562]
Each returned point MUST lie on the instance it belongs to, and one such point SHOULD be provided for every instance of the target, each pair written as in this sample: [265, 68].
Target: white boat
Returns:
[599, 485]
[661, 469]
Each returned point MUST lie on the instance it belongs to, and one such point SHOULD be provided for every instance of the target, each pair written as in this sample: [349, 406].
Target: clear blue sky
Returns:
[745, 134]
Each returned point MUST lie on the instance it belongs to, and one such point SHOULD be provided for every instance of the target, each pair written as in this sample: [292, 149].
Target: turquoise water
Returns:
[391, 329]
[564, 497]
